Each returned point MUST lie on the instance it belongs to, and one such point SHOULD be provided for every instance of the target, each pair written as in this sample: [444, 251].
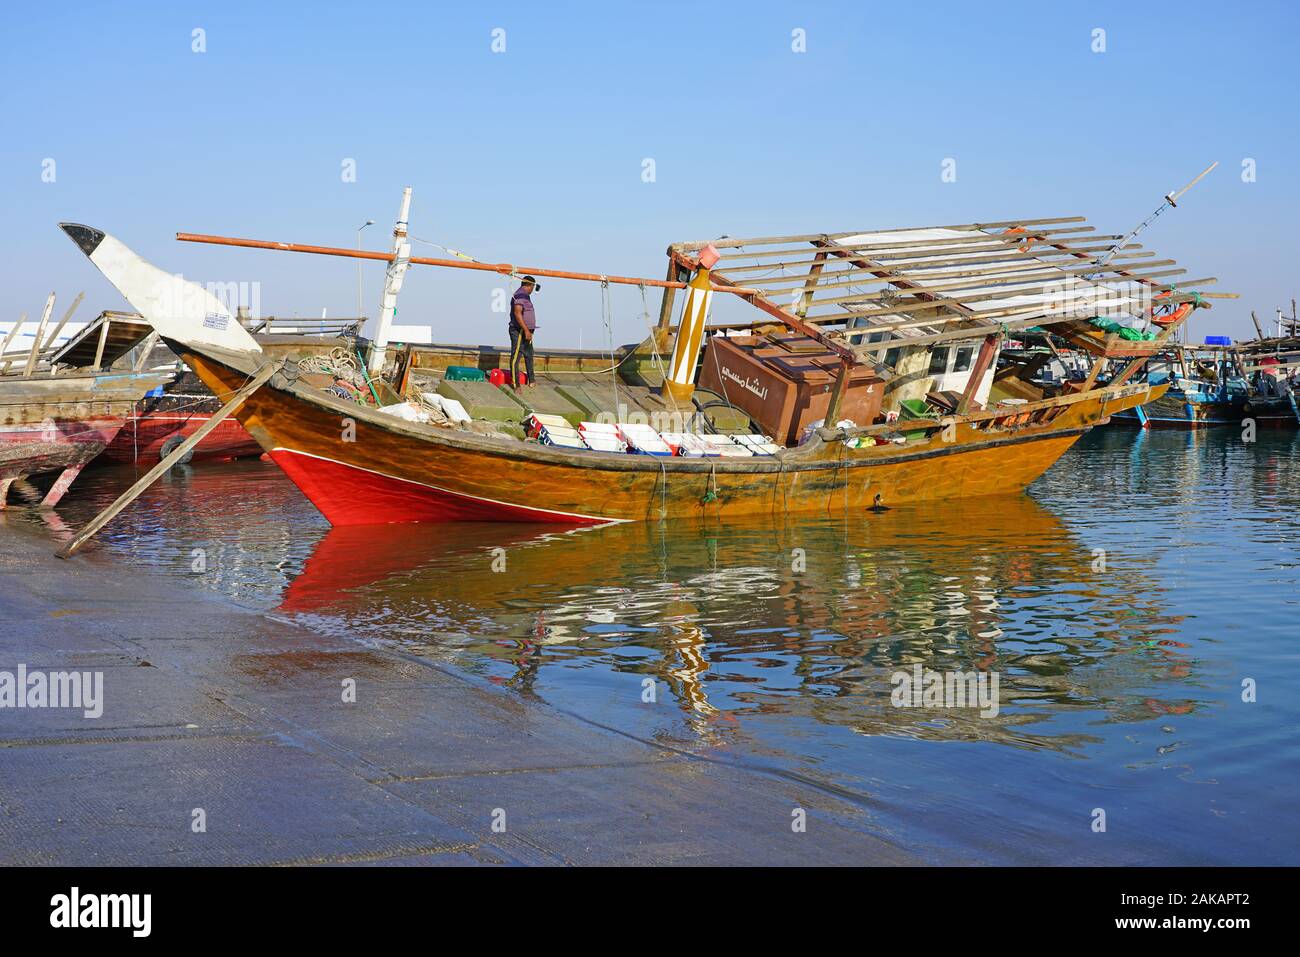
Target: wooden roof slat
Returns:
[973, 334]
[949, 288]
[974, 239]
[724, 242]
[1022, 274]
[1011, 323]
[900, 282]
[909, 308]
[1018, 268]
[991, 284]
[1047, 253]
[1173, 299]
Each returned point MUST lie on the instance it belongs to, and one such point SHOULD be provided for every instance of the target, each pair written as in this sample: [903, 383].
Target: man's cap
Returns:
[537, 286]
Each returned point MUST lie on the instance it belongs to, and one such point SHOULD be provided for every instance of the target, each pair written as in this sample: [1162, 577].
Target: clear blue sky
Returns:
[535, 155]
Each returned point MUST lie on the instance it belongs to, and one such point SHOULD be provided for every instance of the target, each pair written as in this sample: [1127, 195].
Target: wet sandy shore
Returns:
[218, 713]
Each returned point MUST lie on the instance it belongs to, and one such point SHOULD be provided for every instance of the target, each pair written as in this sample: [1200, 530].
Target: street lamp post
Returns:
[368, 222]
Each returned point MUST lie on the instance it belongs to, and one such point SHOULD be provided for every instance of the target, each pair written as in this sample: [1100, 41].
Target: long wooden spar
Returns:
[753, 296]
[130, 495]
[504, 268]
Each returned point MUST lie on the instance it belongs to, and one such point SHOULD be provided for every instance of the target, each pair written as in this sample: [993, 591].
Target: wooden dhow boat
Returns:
[1218, 385]
[886, 343]
[1201, 392]
[1269, 366]
[61, 408]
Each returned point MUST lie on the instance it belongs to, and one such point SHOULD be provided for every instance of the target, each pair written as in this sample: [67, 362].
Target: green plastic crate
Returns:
[911, 410]
[464, 374]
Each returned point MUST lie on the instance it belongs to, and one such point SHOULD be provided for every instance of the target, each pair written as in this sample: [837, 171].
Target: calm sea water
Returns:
[1122, 603]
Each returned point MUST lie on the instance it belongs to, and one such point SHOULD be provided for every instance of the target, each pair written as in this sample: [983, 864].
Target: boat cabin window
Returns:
[939, 361]
[891, 358]
[962, 362]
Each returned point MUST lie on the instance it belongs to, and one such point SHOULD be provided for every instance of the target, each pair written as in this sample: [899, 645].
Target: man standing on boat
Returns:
[523, 323]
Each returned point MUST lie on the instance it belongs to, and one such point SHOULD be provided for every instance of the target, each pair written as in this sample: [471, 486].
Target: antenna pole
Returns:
[1171, 201]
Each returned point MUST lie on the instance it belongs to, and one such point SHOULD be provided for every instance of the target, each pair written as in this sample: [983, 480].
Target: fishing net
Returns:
[341, 365]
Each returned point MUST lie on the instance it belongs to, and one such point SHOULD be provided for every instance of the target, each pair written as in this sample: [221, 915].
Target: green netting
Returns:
[1124, 332]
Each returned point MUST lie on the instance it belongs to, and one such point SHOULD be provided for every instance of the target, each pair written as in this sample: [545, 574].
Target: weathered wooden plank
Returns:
[1046, 254]
[990, 284]
[130, 495]
[728, 241]
[54, 336]
[810, 283]
[928, 270]
[39, 337]
[950, 245]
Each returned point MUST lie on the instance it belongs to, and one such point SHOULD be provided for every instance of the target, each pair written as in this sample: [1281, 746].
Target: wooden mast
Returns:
[398, 263]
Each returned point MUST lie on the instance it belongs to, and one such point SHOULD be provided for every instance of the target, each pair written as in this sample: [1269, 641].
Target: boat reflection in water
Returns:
[778, 659]
[740, 623]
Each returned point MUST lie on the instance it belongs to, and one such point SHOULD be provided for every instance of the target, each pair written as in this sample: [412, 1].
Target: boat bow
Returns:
[182, 311]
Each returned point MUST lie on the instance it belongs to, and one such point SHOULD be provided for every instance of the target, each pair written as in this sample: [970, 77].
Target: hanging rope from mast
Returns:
[654, 350]
[606, 309]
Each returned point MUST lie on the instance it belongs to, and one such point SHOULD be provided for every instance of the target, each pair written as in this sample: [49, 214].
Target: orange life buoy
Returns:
[1169, 318]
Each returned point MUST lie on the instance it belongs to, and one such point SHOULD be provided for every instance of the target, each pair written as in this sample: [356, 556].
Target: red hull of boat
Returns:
[31, 449]
[143, 437]
[347, 495]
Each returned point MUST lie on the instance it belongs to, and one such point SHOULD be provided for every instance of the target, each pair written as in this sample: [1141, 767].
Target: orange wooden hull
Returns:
[359, 467]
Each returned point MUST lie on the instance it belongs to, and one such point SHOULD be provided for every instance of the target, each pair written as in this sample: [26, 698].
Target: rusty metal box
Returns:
[785, 383]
